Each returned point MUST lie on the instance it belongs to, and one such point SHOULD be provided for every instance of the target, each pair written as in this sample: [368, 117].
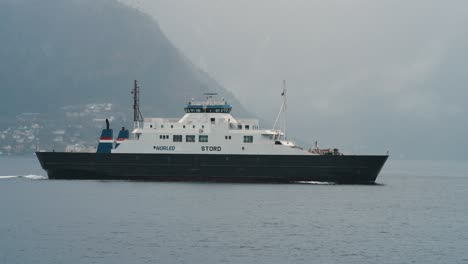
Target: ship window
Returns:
[239, 126]
[229, 137]
[184, 126]
[189, 138]
[225, 137]
[247, 127]
[172, 126]
[203, 126]
[212, 120]
[177, 138]
[203, 138]
[151, 126]
[160, 136]
[248, 139]
[193, 126]
[162, 126]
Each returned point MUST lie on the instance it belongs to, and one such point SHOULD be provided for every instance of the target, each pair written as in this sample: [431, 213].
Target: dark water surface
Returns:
[418, 215]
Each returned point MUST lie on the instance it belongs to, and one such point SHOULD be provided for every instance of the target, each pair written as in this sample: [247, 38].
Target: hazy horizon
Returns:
[363, 75]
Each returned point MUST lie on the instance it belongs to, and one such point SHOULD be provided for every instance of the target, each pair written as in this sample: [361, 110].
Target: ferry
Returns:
[208, 144]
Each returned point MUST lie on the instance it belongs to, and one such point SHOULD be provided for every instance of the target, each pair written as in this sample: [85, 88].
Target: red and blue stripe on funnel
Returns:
[106, 141]
[123, 135]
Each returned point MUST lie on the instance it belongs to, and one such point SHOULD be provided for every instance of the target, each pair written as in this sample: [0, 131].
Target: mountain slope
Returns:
[55, 53]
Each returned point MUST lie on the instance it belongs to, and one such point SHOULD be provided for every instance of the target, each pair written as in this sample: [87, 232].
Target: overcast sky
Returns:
[364, 74]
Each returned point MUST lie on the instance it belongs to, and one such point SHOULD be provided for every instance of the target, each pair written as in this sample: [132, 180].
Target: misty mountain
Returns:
[55, 53]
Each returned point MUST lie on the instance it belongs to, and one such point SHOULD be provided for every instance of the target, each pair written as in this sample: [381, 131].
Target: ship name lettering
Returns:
[171, 148]
[211, 148]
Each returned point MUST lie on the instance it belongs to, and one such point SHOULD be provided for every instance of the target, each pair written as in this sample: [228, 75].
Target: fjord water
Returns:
[417, 214]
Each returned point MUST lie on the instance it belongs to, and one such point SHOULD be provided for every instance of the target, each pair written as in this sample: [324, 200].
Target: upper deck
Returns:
[208, 124]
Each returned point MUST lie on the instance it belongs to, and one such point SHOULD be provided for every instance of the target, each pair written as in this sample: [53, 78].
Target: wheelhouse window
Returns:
[177, 138]
[203, 138]
[247, 127]
[189, 138]
[248, 139]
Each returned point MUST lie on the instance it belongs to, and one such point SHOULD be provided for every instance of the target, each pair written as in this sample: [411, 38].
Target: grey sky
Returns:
[362, 74]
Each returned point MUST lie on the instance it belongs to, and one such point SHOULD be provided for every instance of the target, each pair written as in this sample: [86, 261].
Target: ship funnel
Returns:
[123, 135]
[106, 140]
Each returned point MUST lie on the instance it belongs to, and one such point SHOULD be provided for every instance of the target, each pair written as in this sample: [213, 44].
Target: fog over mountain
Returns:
[55, 53]
[365, 75]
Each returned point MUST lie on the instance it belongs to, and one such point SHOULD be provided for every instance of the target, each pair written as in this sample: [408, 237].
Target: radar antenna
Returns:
[137, 116]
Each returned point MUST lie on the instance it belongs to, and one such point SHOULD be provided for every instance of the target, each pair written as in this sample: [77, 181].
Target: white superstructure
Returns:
[207, 128]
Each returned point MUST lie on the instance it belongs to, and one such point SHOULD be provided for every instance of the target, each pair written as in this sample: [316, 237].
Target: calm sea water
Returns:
[419, 214]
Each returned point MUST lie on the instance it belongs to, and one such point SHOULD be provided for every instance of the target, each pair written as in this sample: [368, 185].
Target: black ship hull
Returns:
[345, 169]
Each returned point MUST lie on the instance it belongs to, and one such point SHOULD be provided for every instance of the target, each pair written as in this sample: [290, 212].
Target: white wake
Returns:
[8, 177]
[34, 177]
[315, 182]
[30, 176]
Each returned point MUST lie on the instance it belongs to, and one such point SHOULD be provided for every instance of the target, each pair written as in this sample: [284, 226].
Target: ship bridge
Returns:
[211, 105]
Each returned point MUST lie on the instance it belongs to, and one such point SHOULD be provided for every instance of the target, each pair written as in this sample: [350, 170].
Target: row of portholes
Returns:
[172, 126]
[247, 127]
[188, 138]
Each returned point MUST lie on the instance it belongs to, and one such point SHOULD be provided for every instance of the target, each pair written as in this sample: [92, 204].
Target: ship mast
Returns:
[284, 108]
[137, 116]
[282, 113]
